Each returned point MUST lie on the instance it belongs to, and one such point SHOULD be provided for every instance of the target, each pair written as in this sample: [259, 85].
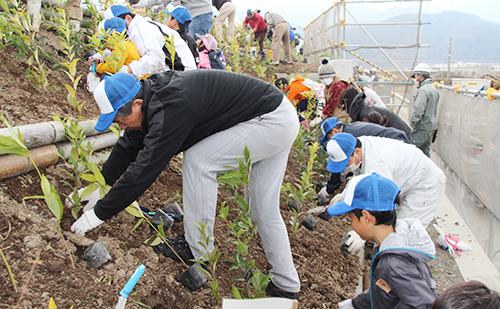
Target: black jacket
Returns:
[179, 109]
[358, 109]
[219, 3]
[191, 43]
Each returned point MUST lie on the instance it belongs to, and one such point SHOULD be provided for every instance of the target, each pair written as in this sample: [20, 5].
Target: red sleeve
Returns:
[333, 99]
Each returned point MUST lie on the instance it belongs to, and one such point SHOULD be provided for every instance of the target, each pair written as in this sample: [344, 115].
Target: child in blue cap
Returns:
[400, 277]
[121, 55]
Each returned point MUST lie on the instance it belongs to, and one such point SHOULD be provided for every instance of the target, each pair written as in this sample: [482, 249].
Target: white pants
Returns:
[269, 138]
[422, 201]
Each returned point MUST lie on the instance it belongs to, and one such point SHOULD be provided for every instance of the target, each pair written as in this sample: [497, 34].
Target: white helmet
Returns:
[421, 68]
[373, 70]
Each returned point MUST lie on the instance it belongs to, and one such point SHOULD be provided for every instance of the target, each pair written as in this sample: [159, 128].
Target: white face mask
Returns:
[327, 81]
[352, 168]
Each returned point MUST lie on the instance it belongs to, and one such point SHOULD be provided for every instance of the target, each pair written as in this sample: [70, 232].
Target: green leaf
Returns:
[137, 225]
[236, 292]
[52, 199]
[88, 177]
[134, 210]
[156, 242]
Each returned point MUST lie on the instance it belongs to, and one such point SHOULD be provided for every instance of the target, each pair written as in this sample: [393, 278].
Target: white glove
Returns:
[124, 69]
[86, 222]
[97, 56]
[324, 196]
[346, 304]
[248, 37]
[337, 198]
[351, 243]
[157, 8]
[91, 199]
[140, 4]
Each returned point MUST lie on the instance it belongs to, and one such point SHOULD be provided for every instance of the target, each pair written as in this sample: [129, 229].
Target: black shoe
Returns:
[180, 246]
[275, 291]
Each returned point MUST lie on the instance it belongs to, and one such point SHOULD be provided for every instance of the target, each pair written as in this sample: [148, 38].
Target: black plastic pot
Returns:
[324, 215]
[309, 221]
[175, 211]
[294, 205]
[193, 278]
[96, 255]
[161, 218]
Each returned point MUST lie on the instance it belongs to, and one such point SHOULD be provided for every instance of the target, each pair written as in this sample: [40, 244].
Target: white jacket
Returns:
[149, 43]
[403, 163]
[181, 48]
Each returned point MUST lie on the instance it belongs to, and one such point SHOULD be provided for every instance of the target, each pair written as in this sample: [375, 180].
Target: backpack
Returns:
[178, 66]
[217, 60]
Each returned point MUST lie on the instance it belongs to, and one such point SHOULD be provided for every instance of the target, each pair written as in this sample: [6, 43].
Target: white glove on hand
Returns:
[157, 8]
[346, 304]
[248, 37]
[140, 4]
[91, 199]
[97, 56]
[124, 69]
[351, 242]
[337, 198]
[86, 222]
[324, 196]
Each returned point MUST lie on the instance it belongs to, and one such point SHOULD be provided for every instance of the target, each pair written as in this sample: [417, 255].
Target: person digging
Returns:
[211, 115]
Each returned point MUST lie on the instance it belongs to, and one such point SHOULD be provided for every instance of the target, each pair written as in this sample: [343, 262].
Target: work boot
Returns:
[275, 291]
[180, 246]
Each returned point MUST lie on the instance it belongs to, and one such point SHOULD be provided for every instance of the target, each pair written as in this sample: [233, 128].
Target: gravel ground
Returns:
[444, 267]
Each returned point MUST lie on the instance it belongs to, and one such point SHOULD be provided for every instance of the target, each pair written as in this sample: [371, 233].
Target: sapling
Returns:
[242, 230]
[15, 29]
[14, 145]
[208, 259]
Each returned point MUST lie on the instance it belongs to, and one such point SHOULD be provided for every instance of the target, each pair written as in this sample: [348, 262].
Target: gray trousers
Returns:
[269, 138]
[422, 139]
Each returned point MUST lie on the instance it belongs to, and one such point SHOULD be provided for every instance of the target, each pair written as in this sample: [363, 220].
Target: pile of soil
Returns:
[38, 257]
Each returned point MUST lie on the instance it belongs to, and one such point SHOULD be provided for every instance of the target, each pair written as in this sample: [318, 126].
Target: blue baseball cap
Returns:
[181, 14]
[327, 125]
[339, 149]
[109, 25]
[113, 93]
[117, 24]
[372, 192]
[116, 10]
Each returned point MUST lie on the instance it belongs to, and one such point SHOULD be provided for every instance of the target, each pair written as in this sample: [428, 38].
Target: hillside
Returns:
[39, 260]
[472, 39]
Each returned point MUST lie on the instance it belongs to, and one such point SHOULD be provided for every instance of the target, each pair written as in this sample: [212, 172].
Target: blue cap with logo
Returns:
[371, 192]
[113, 93]
[327, 126]
[339, 149]
[181, 14]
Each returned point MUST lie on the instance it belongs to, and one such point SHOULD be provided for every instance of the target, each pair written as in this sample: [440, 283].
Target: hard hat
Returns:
[373, 70]
[421, 68]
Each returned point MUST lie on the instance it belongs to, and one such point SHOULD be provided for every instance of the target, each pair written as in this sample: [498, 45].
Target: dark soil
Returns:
[38, 257]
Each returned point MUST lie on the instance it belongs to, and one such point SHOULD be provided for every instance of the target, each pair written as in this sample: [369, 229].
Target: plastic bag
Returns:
[451, 243]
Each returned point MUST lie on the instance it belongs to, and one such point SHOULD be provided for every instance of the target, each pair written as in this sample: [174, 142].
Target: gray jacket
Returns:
[424, 114]
[400, 277]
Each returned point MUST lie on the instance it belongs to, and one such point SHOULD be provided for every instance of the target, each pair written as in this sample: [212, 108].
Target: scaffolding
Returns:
[327, 34]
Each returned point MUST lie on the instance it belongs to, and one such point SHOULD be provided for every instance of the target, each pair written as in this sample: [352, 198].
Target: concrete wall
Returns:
[469, 149]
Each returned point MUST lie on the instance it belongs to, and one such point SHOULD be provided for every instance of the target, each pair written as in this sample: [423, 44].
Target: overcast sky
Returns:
[301, 12]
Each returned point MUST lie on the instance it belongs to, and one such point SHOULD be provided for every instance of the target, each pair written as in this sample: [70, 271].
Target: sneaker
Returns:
[180, 246]
[275, 291]
[275, 62]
